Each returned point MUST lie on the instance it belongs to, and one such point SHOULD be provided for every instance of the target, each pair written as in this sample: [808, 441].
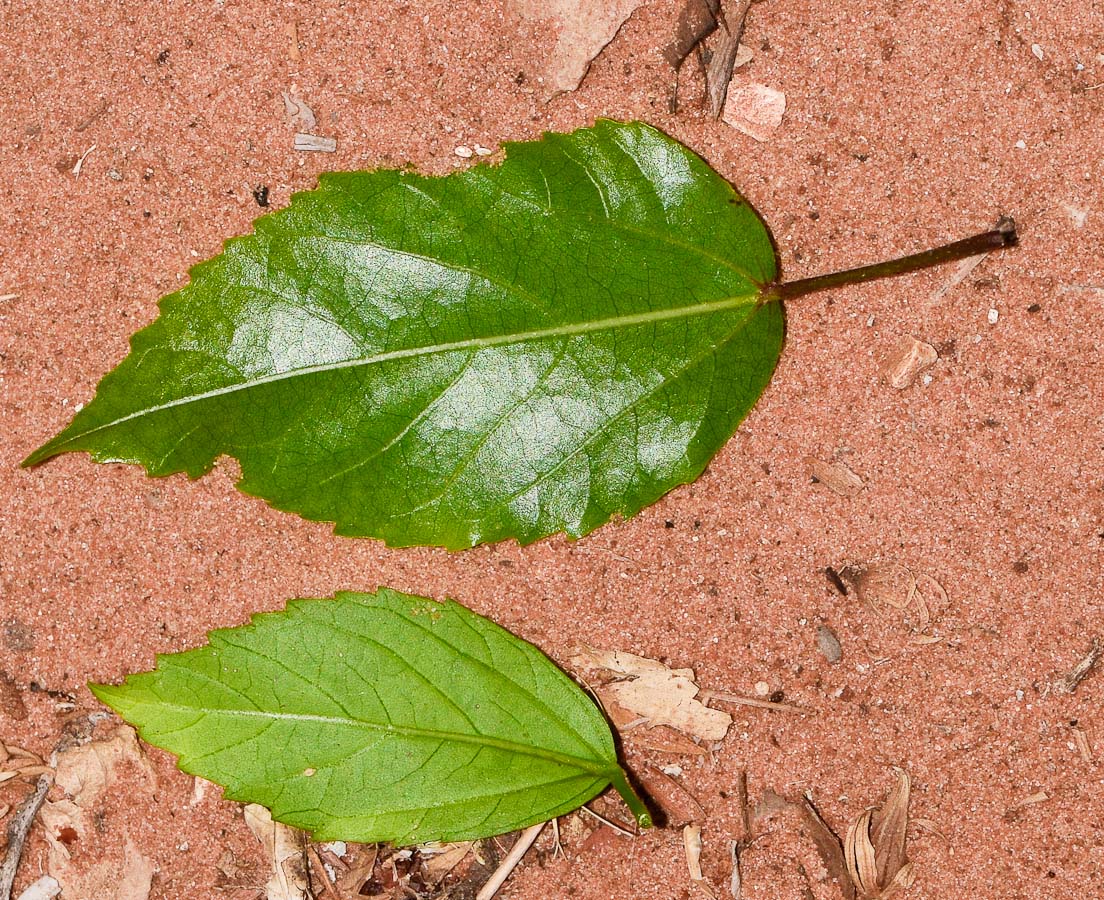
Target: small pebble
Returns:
[1021, 145]
[828, 644]
[993, 317]
[463, 152]
[482, 151]
[762, 688]
[1037, 51]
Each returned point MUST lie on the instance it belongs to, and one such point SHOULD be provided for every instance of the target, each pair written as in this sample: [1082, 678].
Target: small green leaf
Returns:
[379, 717]
[506, 352]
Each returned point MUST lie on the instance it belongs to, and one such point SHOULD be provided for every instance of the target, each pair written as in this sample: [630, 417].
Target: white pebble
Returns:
[463, 152]
[483, 151]
[762, 688]
[993, 316]
[1021, 145]
[46, 888]
[1037, 51]
[673, 771]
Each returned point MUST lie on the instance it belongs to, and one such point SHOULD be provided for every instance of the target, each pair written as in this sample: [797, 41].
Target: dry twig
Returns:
[18, 829]
[524, 842]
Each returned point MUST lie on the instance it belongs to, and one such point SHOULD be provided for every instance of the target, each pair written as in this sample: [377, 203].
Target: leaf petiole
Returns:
[1004, 235]
[632, 799]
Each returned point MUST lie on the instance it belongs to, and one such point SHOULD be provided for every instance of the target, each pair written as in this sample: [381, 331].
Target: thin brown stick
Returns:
[727, 697]
[528, 836]
[612, 825]
[317, 866]
[1084, 666]
[18, 829]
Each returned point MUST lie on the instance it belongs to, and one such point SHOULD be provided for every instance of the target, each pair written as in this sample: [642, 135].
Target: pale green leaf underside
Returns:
[509, 351]
[377, 717]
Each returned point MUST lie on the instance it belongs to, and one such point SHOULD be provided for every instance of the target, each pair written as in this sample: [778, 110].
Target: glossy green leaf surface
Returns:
[379, 717]
[510, 351]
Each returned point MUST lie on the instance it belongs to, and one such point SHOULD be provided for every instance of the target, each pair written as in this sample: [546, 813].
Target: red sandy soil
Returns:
[907, 125]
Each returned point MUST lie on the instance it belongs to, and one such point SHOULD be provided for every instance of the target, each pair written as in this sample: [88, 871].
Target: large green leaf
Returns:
[379, 717]
[508, 351]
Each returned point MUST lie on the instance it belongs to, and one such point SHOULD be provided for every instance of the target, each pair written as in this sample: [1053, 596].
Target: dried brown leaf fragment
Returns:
[836, 476]
[286, 849]
[871, 862]
[656, 694]
[585, 28]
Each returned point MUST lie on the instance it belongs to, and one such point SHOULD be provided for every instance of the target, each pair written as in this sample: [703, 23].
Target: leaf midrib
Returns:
[479, 343]
[592, 767]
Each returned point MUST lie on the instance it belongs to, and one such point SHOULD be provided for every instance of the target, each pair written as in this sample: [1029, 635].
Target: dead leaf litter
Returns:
[653, 693]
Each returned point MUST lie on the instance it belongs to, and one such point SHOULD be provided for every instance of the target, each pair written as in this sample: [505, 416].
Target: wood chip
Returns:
[911, 357]
[725, 54]
[835, 476]
[754, 109]
[697, 20]
[524, 842]
[1031, 800]
[291, 29]
[1081, 739]
[314, 143]
[80, 161]
[654, 692]
[1084, 666]
[741, 700]
[958, 275]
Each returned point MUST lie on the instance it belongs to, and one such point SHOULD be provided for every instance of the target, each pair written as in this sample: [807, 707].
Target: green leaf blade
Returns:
[505, 352]
[377, 717]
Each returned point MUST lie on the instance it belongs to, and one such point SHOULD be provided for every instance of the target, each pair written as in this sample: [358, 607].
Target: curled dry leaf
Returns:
[692, 844]
[874, 848]
[911, 357]
[654, 693]
[442, 859]
[586, 26]
[888, 587]
[286, 849]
